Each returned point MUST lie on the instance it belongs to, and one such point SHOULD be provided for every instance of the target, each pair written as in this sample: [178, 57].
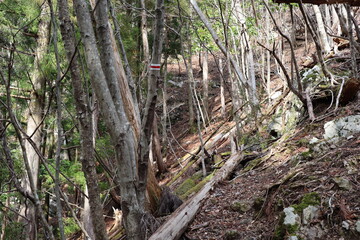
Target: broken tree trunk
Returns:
[177, 223]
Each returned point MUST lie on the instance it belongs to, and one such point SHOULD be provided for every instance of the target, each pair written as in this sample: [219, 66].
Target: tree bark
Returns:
[121, 128]
[58, 124]
[321, 28]
[222, 93]
[205, 75]
[84, 113]
[157, 148]
[34, 121]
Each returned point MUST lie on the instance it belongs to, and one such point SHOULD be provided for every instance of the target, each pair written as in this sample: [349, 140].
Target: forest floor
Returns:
[283, 171]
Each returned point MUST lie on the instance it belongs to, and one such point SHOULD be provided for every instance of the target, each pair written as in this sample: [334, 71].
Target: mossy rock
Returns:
[283, 230]
[309, 199]
[231, 235]
[258, 203]
[306, 155]
[240, 207]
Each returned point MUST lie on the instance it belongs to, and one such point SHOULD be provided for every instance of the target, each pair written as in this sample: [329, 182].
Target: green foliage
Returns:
[251, 27]
[70, 226]
[14, 230]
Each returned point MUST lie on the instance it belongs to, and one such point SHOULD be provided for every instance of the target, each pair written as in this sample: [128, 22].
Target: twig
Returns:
[339, 94]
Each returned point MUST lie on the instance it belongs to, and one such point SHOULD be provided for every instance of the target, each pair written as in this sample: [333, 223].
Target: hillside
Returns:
[297, 168]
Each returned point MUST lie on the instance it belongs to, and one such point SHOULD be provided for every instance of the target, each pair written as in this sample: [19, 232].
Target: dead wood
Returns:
[174, 227]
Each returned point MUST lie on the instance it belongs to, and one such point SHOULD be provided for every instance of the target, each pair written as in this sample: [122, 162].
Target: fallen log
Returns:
[177, 223]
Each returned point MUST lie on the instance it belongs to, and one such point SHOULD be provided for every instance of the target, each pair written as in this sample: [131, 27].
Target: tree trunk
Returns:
[205, 75]
[321, 28]
[121, 115]
[34, 121]
[157, 148]
[60, 134]
[144, 35]
[222, 94]
[86, 126]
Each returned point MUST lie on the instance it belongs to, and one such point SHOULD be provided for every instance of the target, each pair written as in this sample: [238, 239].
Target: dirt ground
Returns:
[264, 188]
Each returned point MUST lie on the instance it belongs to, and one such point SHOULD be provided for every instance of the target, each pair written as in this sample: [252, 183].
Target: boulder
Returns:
[343, 183]
[357, 226]
[342, 128]
[310, 213]
[291, 218]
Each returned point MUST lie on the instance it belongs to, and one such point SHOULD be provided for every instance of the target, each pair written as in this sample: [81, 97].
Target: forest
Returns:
[161, 120]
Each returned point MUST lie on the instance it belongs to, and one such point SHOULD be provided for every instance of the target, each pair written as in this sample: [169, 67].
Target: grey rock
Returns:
[293, 238]
[346, 225]
[314, 140]
[311, 232]
[275, 95]
[291, 218]
[343, 183]
[177, 84]
[310, 213]
[357, 226]
[342, 128]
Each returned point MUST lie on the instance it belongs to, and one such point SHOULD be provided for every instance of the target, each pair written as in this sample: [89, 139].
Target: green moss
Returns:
[252, 164]
[303, 142]
[185, 186]
[258, 203]
[71, 226]
[309, 199]
[283, 230]
[240, 207]
[231, 235]
[182, 171]
[197, 187]
[306, 154]
[225, 154]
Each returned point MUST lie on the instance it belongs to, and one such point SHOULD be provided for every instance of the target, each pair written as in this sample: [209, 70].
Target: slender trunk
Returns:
[144, 34]
[59, 125]
[157, 148]
[86, 217]
[293, 27]
[145, 42]
[342, 21]
[321, 29]
[353, 51]
[34, 122]
[205, 75]
[124, 56]
[222, 94]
